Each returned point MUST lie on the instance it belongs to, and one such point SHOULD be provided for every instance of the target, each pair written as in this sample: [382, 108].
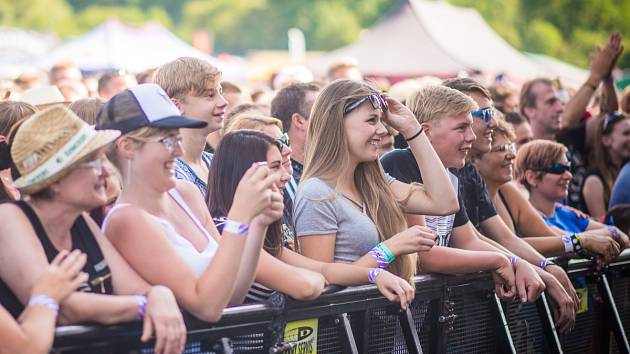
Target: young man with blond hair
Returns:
[194, 86]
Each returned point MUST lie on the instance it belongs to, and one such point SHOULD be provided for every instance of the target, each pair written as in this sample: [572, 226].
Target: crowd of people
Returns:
[141, 197]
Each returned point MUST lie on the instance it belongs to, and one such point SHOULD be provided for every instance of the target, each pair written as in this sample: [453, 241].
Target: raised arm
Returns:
[436, 196]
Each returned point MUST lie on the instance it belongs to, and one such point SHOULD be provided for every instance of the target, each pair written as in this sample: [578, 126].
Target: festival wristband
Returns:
[513, 260]
[373, 273]
[576, 240]
[141, 300]
[546, 262]
[235, 227]
[387, 252]
[568, 244]
[44, 300]
[380, 258]
[613, 232]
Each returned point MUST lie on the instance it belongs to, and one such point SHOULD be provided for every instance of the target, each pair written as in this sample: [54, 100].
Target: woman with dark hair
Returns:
[611, 149]
[279, 267]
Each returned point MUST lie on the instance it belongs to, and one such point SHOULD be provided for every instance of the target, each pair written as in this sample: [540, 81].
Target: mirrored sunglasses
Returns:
[556, 168]
[377, 101]
[484, 113]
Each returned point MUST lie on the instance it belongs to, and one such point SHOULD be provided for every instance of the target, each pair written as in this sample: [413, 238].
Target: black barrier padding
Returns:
[475, 329]
[585, 337]
[621, 292]
[328, 336]
[525, 327]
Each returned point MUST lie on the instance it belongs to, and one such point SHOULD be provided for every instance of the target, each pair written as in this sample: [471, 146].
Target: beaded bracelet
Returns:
[235, 227]
[44, 300]
[373, 273]
[576, 240]
[613, 232]
[513, 260]
[141, 300]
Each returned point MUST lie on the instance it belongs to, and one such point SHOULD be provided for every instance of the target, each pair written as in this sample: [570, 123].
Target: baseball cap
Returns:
[145, 105]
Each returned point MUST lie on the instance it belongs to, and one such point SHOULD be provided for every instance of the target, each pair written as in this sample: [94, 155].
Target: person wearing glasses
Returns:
[497, 169]
[157, 214]
[59, 158]
[610, 151]
[194, 86]
[543, 168]
[347, 210]
[280, 268]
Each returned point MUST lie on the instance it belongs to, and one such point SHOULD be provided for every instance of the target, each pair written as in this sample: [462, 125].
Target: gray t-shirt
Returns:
[320, 210]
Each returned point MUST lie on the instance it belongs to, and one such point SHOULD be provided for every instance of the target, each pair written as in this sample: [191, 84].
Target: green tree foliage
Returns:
[566, 29]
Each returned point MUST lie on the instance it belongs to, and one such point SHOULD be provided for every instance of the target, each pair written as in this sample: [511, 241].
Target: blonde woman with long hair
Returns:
[347, 210]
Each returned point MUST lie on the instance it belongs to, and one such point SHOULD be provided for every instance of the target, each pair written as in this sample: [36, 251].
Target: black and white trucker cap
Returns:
[145, 105]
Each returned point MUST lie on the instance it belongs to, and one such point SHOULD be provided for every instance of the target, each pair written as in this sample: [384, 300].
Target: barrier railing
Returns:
[450, 314]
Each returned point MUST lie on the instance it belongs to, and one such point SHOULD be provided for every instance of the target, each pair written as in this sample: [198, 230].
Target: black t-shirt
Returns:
[99, 276]
[402, 165]
[472, 187]
[575, 140]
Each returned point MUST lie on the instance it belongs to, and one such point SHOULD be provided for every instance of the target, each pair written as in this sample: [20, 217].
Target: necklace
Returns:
[359, 205]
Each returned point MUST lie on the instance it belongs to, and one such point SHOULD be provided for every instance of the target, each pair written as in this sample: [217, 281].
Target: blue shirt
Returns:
[621, 190]
[566, 220]
[185, 172]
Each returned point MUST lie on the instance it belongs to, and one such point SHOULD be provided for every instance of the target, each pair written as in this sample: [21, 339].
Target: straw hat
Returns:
[43, 96]
[51, 141]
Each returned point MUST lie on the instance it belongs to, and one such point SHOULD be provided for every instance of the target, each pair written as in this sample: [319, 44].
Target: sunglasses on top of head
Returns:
[556, 168]
[611, 118]
[283, 141]
[377, 101]
[484, 113]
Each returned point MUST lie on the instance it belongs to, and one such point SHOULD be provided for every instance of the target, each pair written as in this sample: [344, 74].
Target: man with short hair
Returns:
[111, 83]
[479, 206]
[292, 105]
[194, 86]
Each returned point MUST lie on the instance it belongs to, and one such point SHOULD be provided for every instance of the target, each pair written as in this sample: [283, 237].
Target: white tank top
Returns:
[197, 261]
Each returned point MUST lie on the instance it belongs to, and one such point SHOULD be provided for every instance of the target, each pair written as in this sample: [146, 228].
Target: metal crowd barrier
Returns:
[450, 314]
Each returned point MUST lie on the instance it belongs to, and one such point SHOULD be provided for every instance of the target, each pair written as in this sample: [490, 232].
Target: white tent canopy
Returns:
[114, 45]
[20, 47]
[422, 37]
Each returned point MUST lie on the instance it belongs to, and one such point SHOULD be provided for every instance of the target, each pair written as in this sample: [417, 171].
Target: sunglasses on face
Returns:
[484, 113]
[377, 101]
[556, 168]
[505, 148]
[283, 141]
[610, 118]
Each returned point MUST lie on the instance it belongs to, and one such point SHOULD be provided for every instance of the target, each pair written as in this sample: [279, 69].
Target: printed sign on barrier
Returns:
[303, 334]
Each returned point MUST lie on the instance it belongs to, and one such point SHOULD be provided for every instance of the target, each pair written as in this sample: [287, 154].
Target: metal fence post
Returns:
[549, 328]
[505, 330]
[409, 331]
[612, 313]
[347, 336]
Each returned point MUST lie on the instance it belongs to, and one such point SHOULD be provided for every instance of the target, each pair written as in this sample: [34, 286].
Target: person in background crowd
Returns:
[33, 333]
[543, 168]
[11, 112]
[621, 189]
[87, 108]
[111, 83]
[214, 138]
[194, 87]
[551, 119]
[482, 212]
[280, 268]
[610, 151]
[505, 98]
[346, 209]
[72, 90]
[59, 159]
[496, 167]
[235, 98]
[62, 72]
[26, 81]
[522, 129]
[344, 69]
[146, 77]
[157, 214]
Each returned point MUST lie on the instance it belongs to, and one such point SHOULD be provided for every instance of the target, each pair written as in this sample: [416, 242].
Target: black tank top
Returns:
[99, 280]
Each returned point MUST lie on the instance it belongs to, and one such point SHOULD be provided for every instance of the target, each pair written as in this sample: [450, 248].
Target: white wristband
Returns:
[235, 227]
[44, 300]
[568, 245]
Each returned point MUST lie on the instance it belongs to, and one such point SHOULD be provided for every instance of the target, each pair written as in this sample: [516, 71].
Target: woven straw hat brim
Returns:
[43, 106]
[101, 139]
